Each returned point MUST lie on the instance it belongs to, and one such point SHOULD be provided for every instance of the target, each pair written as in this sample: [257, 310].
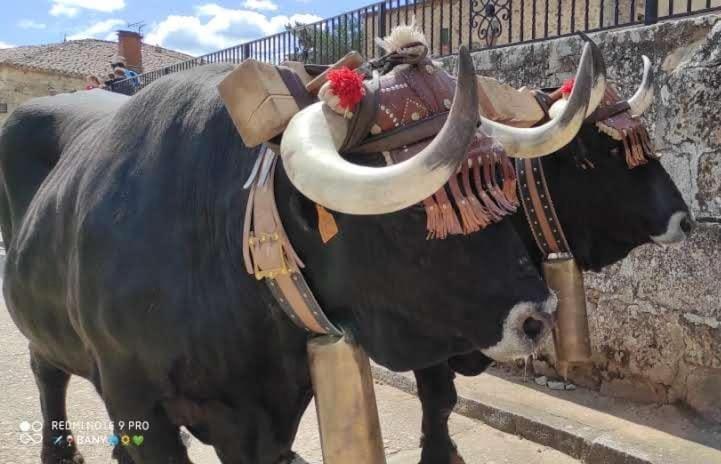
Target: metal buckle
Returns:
[269, 273]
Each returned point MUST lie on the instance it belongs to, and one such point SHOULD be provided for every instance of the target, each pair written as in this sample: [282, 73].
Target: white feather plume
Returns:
[401, 36]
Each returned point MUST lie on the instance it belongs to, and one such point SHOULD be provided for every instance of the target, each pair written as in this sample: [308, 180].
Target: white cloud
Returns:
[72, 7]
[6, 45]
[30, 24]
[98, 29]
[214, 27]
[62, 10]
[260, 5]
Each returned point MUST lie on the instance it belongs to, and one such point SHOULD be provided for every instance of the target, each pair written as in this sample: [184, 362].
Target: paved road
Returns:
[400, 419]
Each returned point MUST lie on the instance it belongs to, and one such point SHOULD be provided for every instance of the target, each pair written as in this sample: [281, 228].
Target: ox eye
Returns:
[615, 151]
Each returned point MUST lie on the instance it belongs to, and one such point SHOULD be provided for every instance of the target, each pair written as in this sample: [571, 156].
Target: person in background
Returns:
[110, 79]
[121, 75]
[92, 82]
[129, 74]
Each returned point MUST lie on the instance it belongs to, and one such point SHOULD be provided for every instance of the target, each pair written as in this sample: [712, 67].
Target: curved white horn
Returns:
[309, 150]
[558, 132]
[643, 97]
[598, 90]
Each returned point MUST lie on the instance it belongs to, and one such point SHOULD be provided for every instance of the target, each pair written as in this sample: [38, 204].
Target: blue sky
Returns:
[192, 26]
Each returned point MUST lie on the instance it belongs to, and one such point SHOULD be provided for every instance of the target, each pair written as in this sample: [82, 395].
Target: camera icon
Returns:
[30, 433]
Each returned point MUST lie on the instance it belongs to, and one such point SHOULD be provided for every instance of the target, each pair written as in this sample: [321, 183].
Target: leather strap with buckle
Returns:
[269, 255]
[539, 209]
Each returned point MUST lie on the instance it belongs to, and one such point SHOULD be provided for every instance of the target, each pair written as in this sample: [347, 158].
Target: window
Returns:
[3, 108]
[445, 36]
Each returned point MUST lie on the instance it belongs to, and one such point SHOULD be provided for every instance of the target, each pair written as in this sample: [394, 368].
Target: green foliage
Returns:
[328, 41]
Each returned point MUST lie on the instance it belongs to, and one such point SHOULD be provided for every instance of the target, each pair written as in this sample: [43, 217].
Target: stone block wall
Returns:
[18, 85]
[655, 317]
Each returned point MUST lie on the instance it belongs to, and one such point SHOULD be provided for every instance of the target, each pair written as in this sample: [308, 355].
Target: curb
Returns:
[579, 436]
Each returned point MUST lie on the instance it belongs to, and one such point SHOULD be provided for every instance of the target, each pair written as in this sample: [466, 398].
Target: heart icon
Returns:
[138, 440]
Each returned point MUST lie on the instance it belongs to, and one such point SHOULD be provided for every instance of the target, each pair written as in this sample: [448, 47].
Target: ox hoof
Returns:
[440, 452]
[455, 458]
[60, 456]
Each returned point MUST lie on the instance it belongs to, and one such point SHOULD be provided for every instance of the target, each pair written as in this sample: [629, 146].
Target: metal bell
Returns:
[570, 334]
[345, 401]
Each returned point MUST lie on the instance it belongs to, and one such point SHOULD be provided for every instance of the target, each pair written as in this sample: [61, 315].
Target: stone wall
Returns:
[655, 317]
[17, 86]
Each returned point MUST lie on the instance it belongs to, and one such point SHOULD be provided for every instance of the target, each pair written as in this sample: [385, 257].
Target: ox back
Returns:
[124, 219]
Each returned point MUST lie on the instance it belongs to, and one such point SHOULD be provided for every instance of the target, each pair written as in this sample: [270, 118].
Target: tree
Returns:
[327, 41]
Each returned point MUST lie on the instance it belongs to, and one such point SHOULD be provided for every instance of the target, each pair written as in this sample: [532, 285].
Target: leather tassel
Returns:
[449, 224]
[496, 191]
[646, 142]
[494, 212]
[638, 148]
[509, 182]
[629, 154]
[469, 220]
[433, 217]
[478, 210]
[326, 224]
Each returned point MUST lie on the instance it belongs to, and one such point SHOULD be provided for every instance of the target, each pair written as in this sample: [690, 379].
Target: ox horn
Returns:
[598, 90]
[309, 150]
[643, 97]
[538, 141]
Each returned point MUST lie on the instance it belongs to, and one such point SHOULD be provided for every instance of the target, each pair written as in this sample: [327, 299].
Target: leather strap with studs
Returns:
[538, 207]
[269, 255]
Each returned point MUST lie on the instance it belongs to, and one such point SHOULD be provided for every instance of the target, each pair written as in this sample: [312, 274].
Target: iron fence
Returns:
[447, 24]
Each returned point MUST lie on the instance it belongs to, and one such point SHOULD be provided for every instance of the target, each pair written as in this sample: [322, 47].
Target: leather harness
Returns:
[269, 255]
[538, 208]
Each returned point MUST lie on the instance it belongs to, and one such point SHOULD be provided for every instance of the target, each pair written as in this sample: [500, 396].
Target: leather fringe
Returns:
[473, 210]
[631, 131]
[433, 217]
[448, 224]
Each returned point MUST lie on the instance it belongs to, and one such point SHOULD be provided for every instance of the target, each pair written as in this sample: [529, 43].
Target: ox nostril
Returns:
[687, 225]
[532, 328]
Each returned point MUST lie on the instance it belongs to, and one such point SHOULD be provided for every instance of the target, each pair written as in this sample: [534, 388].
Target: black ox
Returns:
[606, 210]
[149, 228]
[124, 223]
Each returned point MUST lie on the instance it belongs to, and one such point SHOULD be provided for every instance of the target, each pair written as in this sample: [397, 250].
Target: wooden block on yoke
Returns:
[258, 101]
[504, 104]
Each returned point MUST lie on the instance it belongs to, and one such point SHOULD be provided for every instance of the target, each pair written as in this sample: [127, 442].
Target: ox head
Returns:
[412, 302]
[607, 204]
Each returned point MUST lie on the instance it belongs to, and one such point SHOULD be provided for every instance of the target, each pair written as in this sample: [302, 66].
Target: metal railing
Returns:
[447, 24]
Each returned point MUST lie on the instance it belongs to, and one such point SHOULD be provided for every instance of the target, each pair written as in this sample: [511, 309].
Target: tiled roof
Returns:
[83, 57]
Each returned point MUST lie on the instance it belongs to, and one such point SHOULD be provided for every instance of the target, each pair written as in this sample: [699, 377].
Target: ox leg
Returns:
[53, 385]
[438, 398]
[133, 402]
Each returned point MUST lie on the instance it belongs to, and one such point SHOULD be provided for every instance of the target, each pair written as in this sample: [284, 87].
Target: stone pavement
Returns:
[584, 424]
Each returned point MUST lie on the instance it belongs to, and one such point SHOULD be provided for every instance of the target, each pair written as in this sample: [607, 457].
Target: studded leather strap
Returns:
[538, 206]
[270, 256]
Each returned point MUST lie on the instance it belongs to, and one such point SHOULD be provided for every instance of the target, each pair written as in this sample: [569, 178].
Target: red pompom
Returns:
[567, 86]
[347, 85]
